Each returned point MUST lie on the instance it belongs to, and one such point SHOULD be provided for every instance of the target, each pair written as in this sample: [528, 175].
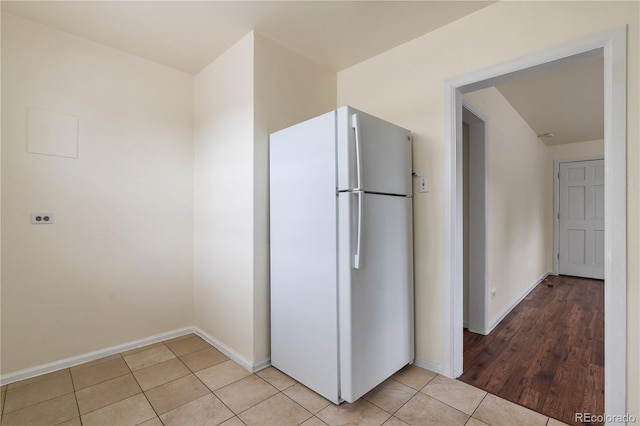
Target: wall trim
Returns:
[91, 356]
[515, 303]
[431, 366]
[116, 349]
[251, 367]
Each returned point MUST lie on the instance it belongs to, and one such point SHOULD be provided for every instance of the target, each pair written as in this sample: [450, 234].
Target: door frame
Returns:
[612, 46]
[556, 205]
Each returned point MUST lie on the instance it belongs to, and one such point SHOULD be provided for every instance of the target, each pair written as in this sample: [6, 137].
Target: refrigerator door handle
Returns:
[356, 258]
[356, 130]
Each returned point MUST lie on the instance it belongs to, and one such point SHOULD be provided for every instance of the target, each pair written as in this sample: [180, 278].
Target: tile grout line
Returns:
[295, 402]
[449, 405]
[3, 396]
[75, 396]
[38, 402]
[280, 391]
[144, 393]
[481, 401]
[442, 402]
[104, 381]
[75, 391]
[263, 380]
[250, 407]
[221, 401]
[94, 363]
[419, 391]
[191, 372]
[392, 414]
[140, 386]
[412, 396]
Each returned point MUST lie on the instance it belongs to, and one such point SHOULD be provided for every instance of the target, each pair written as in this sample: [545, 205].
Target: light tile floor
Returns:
[185, 381]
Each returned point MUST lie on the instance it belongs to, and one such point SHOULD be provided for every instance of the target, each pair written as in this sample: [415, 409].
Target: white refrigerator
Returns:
[341, 252]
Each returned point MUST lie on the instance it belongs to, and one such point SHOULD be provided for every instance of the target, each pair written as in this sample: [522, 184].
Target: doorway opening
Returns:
[474, 220]
[612, 45]
[539, 326]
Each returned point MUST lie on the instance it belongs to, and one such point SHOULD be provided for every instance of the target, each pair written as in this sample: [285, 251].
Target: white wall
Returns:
[116, 265]
[519, 209]
[253, 89]
[223, 281]
[405, 85]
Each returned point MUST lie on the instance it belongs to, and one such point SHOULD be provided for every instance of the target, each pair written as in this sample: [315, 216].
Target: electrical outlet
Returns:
[424, 184]
[41, 218]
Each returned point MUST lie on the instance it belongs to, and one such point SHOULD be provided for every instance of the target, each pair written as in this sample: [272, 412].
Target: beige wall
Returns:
[288, 89]
[0, 204]
[405, 85]
[116, 265]
[519, 208]
[571, 151]
[255, 88]
[135, 128]
[223, 282]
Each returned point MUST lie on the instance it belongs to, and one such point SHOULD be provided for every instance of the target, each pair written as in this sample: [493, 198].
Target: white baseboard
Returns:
[90, 356]
[261, 365]
[431, 366]
[515, 303]
[252, 367]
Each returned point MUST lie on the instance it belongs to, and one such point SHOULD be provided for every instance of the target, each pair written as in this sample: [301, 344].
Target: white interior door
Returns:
[581, 224]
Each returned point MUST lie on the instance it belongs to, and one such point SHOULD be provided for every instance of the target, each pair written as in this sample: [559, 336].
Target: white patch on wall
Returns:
[52, 133]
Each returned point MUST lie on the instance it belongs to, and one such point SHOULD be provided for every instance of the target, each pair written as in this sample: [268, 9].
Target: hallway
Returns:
[548, 353]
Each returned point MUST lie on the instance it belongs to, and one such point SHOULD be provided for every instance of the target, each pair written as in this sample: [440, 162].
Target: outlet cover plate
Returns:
[41, 218]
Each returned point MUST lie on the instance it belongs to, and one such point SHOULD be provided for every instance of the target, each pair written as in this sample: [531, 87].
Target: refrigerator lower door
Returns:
[376, 300]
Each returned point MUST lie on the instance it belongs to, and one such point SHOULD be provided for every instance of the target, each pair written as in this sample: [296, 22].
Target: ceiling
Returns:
[567, 100]
[188, 35]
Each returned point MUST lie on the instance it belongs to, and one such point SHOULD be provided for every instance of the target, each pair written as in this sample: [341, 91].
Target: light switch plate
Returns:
[424, 184]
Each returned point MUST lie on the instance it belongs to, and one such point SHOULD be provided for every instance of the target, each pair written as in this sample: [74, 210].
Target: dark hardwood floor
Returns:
[548, 352]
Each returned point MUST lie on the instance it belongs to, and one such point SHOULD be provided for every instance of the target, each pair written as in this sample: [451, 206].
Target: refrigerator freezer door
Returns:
[304, 312]
[383, 158]
[376, 300]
